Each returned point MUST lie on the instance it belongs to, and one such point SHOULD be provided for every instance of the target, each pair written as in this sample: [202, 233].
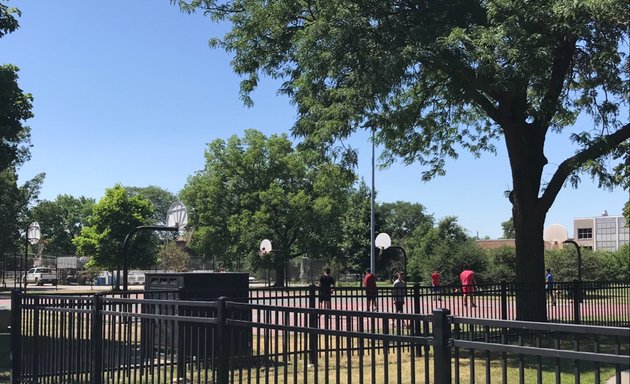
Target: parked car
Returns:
[41, 276]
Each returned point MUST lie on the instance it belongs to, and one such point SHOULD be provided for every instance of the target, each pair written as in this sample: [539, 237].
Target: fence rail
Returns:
[593, 303]
[152, 337]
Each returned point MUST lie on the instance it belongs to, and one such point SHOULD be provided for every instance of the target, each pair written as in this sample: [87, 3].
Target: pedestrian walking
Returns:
[467, 278]
[326, 284]
[399, 292]
[436, 285]
[371, 291]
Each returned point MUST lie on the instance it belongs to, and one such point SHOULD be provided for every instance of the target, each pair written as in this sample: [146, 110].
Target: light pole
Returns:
[579, 256]
[176, 218]
[33, 234]
[372, 216]
[579, 271]
[383, 241]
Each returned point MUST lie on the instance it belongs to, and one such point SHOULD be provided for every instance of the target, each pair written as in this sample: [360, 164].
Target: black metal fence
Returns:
[592, 303]
[149, 337]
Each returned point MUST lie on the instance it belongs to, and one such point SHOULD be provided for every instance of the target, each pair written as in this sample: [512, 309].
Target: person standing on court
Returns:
[400, 291]
[549, 286]
[436, 285]
[326, 284]
[467, 277]
[371, 292]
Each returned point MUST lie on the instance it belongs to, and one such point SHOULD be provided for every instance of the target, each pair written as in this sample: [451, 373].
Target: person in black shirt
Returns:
[326, 284]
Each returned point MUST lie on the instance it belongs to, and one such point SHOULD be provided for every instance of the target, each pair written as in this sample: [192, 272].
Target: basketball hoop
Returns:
[265, 247]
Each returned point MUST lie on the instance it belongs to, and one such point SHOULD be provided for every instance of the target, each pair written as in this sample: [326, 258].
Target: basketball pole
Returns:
[372, 215]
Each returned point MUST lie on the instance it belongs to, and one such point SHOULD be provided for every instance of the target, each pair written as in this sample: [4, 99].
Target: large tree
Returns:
[15, 105]
[159, 197]
[433, 78]
[403, 222]
[112, 218]
[61, 220]
[259, 187]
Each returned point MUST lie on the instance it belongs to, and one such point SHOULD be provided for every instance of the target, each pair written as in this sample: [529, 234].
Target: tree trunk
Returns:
[525, 144]
[530, 266]
[279, 268]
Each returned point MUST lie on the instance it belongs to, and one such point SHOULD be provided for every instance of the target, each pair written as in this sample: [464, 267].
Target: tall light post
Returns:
[579, 271]
[176, 218]
[383, 241]
[372, 215]
[33, 234]
[579, 258]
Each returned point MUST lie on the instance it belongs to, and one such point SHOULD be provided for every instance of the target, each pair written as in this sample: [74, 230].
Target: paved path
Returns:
[625, 378]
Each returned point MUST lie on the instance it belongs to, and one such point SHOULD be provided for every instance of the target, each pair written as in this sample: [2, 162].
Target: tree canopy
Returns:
[112, 218]
[435, 78]
[15, 105]
[61, 220]
[257, 187]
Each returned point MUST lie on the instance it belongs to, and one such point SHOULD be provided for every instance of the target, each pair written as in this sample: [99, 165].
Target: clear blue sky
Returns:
[129, 92]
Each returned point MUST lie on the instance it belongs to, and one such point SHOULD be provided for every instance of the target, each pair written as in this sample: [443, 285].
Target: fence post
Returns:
[96, 363]
[504, 300]
[417, 331]
[223, 344]
[577, 299]
[441, 346]
[312, 323]
[16, 336]
[35, 331]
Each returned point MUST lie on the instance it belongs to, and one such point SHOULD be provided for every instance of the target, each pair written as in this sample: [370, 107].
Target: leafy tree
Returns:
[15, 105]
[112, 218]
[14, 203]
[159, 197]
[508, 229]
[256, 188]
[402, 221]
[172, 257]
[501, 264]
[354, 247]
[61, 221]
[447, 249]
[434, 78]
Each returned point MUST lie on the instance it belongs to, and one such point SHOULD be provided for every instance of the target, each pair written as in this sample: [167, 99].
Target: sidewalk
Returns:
[625, 378]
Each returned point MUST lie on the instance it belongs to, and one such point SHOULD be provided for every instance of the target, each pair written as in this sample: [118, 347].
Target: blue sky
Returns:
[129, 92]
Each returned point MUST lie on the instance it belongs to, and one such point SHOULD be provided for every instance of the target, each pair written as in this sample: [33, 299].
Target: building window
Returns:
[585, 233]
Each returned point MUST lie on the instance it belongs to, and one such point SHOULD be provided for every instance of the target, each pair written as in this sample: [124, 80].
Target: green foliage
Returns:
[508, 229]
[256, 188]
[14, 203]
[15, 105]
[159, 197]
[354, 246]
[172, 257]
[61, 221]
[15, 109]
[501, 264]
[596, 266]
[447, 249]
[112, 218]
[434, 78]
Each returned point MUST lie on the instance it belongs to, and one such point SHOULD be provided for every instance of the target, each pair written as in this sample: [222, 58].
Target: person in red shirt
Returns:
[371, 292]
[467, 277]
[436, 285]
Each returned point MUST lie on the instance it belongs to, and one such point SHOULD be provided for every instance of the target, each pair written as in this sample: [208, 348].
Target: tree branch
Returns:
[600, 147]
[563, 58]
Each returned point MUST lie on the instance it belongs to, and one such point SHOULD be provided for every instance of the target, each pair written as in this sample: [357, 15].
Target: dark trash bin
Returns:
[197, 340]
